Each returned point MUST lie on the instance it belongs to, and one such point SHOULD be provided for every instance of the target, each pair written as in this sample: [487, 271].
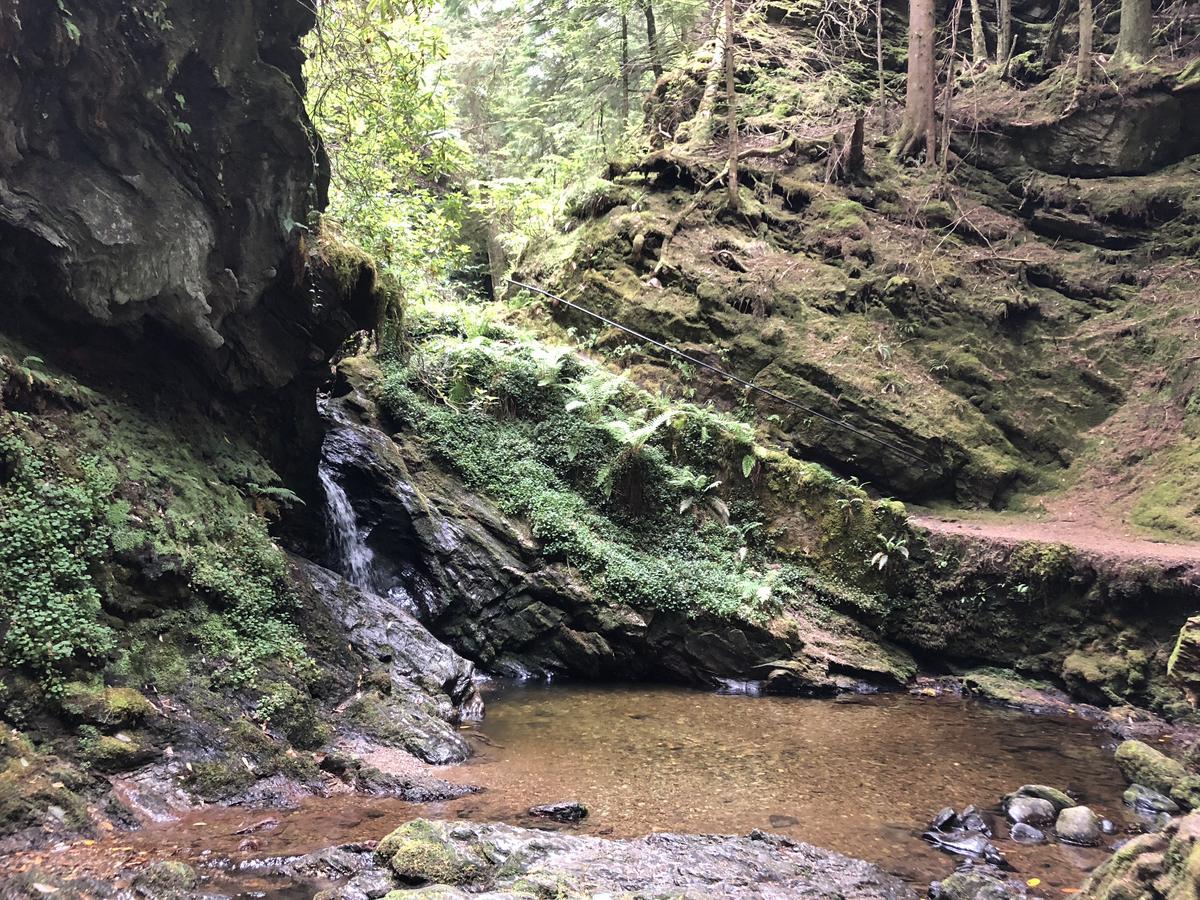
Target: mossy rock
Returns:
[109, 706]
[417, 853]
[166, 878]
[1187, 792]
[1142, 764]
[1060, 799]
[113, 753]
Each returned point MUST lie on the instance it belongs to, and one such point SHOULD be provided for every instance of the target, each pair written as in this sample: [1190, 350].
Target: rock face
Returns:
[473, 858]
[427, 688]
[157, 168]
[1166, 864]
[477, 579]
[1136, 136]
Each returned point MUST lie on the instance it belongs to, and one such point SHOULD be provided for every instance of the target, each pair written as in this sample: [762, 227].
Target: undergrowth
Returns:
[89, 496]
[655, 503]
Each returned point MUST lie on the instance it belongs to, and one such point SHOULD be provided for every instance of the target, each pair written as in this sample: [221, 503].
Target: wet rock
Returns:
[965, 843]
[977, 882]
[973, 820]
[507, 860]
[166, 879]
[1152, 865]
[490, 593]
[1142, 764]
[566, 811]
[1107, 826]
[1078, 825]
[1186, 792]
[1026, 834]
[945, 820]
[1145, 800]
[1060, 799]
[126, 224]
[1030, 810]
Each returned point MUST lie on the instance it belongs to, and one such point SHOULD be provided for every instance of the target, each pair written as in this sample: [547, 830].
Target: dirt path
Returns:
[1090, 539]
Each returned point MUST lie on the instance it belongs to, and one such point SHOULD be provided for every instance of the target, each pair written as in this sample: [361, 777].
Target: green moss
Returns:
[109, 753]
[417, 853]
[110, 706]
[1142, 764]
[659, 506]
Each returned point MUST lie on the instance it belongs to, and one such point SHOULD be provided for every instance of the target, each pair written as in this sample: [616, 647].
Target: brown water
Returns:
[863, 776]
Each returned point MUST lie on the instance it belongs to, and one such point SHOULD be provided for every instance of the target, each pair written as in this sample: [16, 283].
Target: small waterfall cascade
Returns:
[348, 543]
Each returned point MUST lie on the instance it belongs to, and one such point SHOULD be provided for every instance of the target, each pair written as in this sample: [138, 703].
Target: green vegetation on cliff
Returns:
[660, 505]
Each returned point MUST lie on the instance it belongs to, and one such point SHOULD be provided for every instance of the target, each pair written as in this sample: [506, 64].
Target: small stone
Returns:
[1107, 826]
[1145, 800]
[1031, 810]
[965, 843]
[566, 811]
[1078, 825]
[1026, 834]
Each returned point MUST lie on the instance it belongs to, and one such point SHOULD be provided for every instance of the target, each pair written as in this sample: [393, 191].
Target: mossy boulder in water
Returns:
[421, 853]
[1142, 764]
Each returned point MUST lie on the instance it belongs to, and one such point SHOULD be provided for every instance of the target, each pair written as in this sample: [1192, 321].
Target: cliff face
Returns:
[157, 169]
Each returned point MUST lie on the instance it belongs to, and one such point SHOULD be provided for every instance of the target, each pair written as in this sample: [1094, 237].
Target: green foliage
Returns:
[384, 121]
[602, 471]
[53, 538]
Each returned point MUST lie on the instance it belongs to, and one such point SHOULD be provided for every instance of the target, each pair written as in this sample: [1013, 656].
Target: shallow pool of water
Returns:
[862, 775]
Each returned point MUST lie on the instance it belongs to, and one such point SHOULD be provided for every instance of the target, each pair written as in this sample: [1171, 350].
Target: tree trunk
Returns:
[1083, 70]
[918, 128]
[652, 41]
[1054, 38]
[955, 19]
[702, 131]
[879, 57]
[1004, 38]
[1134, 42]
[731, 102]
[624, 71]
[979, 51]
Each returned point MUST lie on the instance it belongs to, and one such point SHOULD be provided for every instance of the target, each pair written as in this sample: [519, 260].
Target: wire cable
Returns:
[716, 370]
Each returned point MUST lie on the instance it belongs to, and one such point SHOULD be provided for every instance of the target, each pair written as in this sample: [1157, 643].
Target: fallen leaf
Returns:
[1034, 882]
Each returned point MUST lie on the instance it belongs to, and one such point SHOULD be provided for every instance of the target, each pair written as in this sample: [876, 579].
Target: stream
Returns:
[861, 774]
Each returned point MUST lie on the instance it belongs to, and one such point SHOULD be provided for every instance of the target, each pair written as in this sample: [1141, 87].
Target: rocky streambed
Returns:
[654, 767]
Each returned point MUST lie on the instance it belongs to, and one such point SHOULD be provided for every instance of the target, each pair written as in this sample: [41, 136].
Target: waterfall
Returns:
[349, 544]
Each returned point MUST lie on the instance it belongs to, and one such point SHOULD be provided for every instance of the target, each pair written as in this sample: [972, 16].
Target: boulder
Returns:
[1030, 810]
[1078, 825]
[1060, 799]
[1147, 801]
[1142, 764]
[977, 882]
[507, 860]
[1166, 864]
